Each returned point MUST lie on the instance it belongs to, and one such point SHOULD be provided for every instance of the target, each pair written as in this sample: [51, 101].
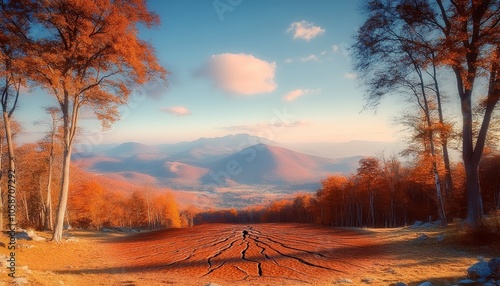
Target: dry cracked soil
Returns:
[238, 254]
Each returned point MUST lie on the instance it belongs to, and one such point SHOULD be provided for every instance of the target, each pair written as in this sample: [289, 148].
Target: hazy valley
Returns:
[230, 171]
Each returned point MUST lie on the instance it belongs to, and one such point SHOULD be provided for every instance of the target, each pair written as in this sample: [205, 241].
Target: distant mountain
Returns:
[210, 149]
[262, 164]
[232, 170]
[130, 149]
[259, 164]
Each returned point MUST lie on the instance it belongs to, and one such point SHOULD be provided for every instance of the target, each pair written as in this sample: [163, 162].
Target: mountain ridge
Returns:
[232, 170]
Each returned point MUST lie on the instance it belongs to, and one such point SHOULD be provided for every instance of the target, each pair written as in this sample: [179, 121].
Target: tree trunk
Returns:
[12, 181]
[430, 134]
[48, 220]
[444, 139]
[446, 158]
[474, 200]
[63, 197]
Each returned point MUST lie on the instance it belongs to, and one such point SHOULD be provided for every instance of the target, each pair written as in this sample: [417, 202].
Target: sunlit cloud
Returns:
[240, 74]
[176, 110]
[294, 94]
[350, 76]
[305, 30]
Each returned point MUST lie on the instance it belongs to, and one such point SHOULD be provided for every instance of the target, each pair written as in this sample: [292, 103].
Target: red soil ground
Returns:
[266, 254]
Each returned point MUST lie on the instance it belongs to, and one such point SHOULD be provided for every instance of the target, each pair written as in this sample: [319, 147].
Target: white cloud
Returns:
[350, 76]
[177, 110]
[288, 61]
[309, 58]
[294, 94]
[335, 49]
[240, 73]
[305, 30]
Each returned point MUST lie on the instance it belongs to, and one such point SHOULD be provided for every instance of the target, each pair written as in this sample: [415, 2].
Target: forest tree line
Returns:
[95, 202]
[382, 193]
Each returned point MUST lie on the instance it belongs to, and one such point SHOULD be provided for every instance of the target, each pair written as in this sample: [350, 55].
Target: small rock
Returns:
[71, 239]
[440, 237]
[479, 270]
[416, 224]
[31, 233]
[494, 265]
[212, 284]
[422, 236]
[426, 284]
[344, 280]
[400, 284]
[22, 245]
[467, 282]
[22, 235]
[427, 225]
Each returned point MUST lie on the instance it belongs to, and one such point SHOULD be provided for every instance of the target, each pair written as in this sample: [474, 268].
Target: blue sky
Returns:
[278, 69]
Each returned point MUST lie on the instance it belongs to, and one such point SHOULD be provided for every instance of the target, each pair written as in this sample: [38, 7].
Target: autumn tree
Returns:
[14, 25]
[465, 38]
[395, 57]
[393, 175]
[171, 211]
[369, 172]
[468, 38]
[137, 210]
[89, 57]
[88, 206]
[334, 200]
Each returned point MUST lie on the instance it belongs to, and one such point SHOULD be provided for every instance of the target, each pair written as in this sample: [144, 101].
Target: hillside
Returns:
[271, 165]
[235, 169]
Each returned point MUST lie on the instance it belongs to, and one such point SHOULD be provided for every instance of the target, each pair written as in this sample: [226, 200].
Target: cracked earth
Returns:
[266, 253]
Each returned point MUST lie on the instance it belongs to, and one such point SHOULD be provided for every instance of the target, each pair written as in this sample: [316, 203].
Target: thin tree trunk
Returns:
[63, 197]
[11, 185]
[49, 221]
[430, 134]
[70, 117]
[444, 139]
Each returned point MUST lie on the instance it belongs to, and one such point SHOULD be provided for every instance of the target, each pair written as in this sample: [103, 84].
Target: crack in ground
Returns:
[215, 255]
[242, 270]
[277, 263]
[293, 248]
[300, 259]
[259, 265]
